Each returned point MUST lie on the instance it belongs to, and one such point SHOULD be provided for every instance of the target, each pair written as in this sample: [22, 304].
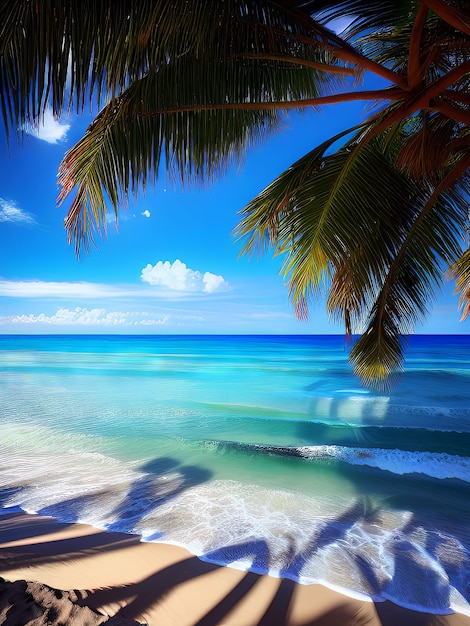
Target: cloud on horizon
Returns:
[45, 289]
[48, 129]
[204, 285]
[11, 213]
[80, 316]
[178, 277]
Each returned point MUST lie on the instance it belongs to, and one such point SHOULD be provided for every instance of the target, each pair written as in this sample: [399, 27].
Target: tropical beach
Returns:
[113, 574]
[236, 480]
[189, 437]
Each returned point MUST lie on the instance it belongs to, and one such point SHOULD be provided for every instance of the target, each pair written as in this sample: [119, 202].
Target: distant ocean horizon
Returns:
[261, 452]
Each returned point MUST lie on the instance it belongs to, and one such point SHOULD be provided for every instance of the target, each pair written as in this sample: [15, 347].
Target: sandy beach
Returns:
[114, 575]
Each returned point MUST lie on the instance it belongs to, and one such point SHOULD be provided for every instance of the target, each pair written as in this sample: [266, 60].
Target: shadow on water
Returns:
[136, 598]
[413, 575]
[383, 436]
[7, 494]
[258, 554]
[71, 510]
[156, 487]
[156, 586]
[450, 555]
[163, 479]
[331, 532]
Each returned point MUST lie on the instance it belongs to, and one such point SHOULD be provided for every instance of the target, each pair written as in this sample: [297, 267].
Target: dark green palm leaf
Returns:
[126, 142]
[349, 225]
[63, 51]
[432, 244]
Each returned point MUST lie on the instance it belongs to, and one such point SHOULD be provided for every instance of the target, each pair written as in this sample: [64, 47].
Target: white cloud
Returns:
[146, 213]
[9, 212]
[47, 128]
[212, 282]
[176, 276]
[80, 316]
[43, 289]
[181, 283]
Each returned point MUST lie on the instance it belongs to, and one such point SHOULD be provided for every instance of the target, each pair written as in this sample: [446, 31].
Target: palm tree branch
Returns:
[452, 112]
[374, 94]
[325, 211]
[324, 67]
[458, 170]
[193, 144]
[414, 60]
[450, 15]
[384, 218]
[439, 86]
[354, 220]
[425, 100]
[369, 64]
[341, 49]
[346, 52]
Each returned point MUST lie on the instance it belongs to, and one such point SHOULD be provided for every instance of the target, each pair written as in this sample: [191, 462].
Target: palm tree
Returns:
[372, 218]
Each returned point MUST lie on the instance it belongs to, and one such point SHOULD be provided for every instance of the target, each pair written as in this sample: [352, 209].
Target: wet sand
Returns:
[114, 575]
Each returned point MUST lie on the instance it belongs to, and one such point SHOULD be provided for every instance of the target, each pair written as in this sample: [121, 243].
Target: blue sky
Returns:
[174, 265]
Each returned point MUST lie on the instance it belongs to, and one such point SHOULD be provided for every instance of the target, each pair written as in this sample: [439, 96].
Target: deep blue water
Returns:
[258, 452]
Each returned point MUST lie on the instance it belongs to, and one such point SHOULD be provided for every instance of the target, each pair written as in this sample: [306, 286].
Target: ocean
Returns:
[263, 453]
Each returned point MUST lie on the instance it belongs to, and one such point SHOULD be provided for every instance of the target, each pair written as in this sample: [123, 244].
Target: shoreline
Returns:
[120, 576]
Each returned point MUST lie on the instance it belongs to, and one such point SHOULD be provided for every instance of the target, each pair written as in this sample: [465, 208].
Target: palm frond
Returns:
[263, 215]
[365, 15]
[60, 52]
[460, 271]
[127, 141]
[323, 210]
[432, 243]
[441, 48]
[350, 225]
[429, 140]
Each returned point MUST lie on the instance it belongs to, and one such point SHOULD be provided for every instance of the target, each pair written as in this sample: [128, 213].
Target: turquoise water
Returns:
[261, 453]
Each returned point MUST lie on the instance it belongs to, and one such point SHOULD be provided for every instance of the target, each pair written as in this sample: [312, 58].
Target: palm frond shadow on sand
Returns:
[137, 598]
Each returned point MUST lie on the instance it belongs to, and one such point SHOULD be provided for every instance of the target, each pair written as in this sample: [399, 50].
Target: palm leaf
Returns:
[128, 139]
[460, 271]
[323, 209]
[57, 51]
[350, 224]
[432, 243]
[60, 52]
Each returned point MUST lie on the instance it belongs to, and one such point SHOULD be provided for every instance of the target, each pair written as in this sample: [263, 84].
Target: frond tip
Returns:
[460, 271]
[378, 363]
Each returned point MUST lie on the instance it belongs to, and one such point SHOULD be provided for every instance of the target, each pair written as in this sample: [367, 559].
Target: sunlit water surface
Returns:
[262, 453]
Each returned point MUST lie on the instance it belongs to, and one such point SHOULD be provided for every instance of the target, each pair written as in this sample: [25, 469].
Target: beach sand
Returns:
[116, 575]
